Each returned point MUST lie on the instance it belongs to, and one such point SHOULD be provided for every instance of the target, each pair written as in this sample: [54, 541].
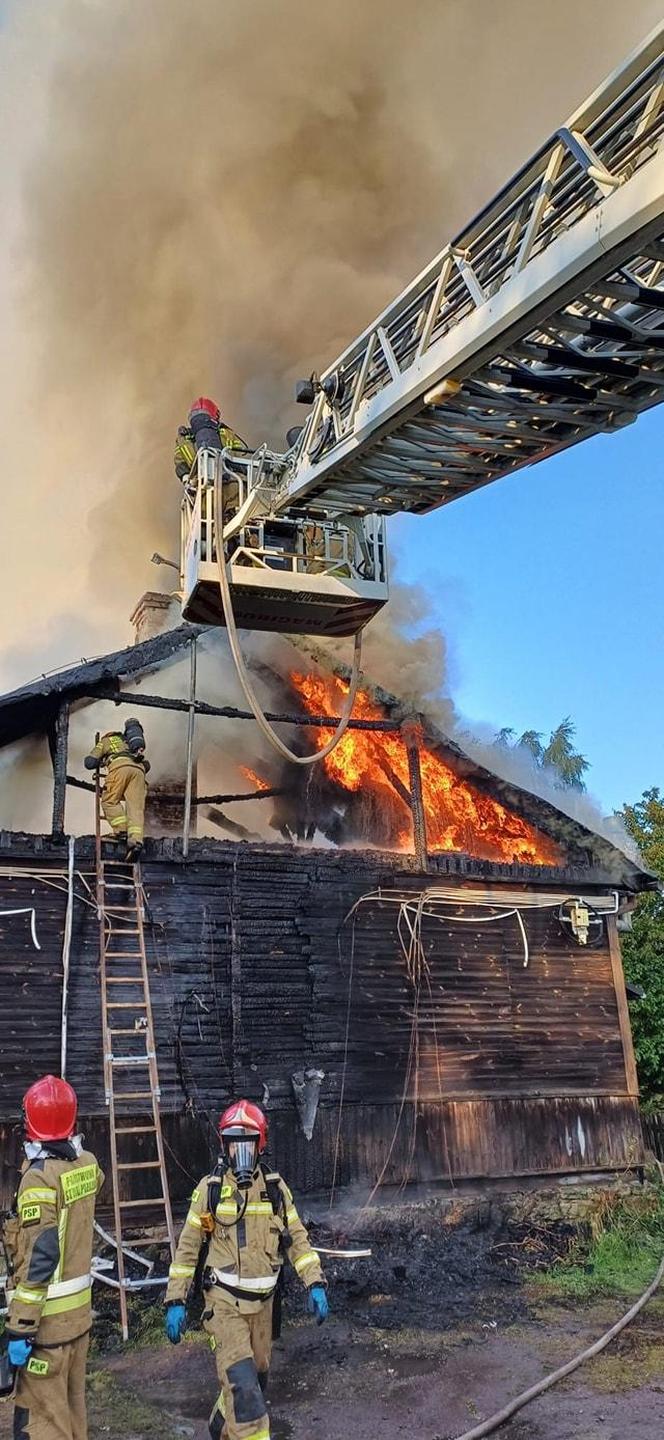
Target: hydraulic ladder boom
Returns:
[542, 323]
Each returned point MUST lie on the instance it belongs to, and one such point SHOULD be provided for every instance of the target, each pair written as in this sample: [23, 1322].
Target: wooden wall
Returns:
[494, 1068]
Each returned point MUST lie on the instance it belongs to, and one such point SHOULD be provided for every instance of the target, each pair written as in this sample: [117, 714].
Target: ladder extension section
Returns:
[541, 324]
[131, 1079]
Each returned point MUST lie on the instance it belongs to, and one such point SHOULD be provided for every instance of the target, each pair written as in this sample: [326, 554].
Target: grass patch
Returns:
[616, 1253]
[118, 1413]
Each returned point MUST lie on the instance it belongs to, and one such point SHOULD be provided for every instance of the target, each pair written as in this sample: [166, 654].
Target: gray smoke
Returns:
[216, 197]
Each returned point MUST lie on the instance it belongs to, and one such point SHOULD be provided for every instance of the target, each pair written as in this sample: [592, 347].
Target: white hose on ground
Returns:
[502, 1416]
[243, 673]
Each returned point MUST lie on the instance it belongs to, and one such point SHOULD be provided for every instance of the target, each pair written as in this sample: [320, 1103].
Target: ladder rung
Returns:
[122, 955]
[140, 1165]
[131, 1059]
[124, 980]
[128, 1030]
[126, 1005]
[113, 906]
[132, 1095]
[149, 1200]
[135, 1129]
[144, 1244]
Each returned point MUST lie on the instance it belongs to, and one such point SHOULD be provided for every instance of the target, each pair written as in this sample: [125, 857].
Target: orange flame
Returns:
[253, 778]
[458, 815]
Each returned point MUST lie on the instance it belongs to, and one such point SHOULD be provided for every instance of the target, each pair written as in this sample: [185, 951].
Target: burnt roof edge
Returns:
[29, 708]
[21, 846]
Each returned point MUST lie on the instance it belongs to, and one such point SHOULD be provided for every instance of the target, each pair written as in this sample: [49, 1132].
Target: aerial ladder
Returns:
[539, 325]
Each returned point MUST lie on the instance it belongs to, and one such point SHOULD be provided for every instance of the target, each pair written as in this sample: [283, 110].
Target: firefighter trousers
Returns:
[242, 1347]
[123, 801]
[50, 1394]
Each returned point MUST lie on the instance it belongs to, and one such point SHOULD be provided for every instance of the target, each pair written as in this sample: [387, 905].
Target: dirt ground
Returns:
[340, 1382]
[438, 1330]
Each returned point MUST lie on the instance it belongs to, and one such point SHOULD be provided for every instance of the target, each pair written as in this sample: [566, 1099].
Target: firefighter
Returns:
[122, 755]
[48, 1238]
[205, 431]
[243, 1220]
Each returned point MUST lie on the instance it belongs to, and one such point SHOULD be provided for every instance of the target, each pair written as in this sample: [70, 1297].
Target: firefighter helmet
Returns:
[243, 1118]
[208, 407]
[49, 1108]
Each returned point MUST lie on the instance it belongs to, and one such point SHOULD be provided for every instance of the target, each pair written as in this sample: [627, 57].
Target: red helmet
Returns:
[49, 1108]
[208, 406]
[244, 1118]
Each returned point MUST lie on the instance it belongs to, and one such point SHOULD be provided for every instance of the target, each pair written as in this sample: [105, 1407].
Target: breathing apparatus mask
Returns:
[240, 1151]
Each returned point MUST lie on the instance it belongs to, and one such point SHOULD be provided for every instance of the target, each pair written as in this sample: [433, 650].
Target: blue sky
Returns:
[550, 588]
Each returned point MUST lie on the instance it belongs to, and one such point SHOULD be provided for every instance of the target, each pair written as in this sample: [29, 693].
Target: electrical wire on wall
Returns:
[434, 903]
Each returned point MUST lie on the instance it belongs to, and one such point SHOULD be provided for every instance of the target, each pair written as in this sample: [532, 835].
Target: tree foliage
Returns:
[643, 948]
[558, 754]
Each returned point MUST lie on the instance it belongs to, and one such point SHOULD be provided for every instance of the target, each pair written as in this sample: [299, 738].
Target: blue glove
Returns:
[317, 1303]
[176, 1320]
[19, 1352]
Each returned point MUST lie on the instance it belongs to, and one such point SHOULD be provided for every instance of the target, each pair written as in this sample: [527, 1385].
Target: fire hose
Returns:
[241, 667]
[494, 1422]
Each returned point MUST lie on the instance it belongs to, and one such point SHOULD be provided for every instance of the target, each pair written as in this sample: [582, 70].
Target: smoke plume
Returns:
[216, 197]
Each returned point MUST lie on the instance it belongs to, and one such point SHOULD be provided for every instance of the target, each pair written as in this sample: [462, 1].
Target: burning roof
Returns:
[459, 816]
[359, 795]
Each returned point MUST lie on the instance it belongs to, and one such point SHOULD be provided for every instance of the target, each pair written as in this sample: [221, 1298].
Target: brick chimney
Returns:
[154, 614]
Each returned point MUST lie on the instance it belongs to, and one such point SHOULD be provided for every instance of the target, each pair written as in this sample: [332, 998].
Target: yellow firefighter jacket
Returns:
[48, 1237]
[112, 751]
[246, 1247]
[185, 448]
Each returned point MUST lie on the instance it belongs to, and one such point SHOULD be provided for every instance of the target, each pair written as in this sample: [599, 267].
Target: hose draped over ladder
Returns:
[241, 667]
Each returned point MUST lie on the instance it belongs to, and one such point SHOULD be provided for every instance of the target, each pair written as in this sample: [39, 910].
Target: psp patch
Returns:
[37, 1367]
[30, 1214]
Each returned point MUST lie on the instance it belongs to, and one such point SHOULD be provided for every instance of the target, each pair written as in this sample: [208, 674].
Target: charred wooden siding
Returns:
[495, 1069]
[188, 941]
[486, 1024]
[30, 984]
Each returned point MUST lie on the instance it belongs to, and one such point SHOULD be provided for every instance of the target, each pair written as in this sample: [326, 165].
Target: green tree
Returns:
[643, 948]
[558, 754]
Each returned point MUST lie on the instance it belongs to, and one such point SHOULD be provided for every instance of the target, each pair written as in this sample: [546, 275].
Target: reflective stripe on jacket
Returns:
[49, 1241]
[112, 751]
[245, 1254]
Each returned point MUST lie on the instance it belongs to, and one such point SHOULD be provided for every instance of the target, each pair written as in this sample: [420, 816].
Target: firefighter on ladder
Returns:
[48, 1237]
[122, 755]
[244, 1221]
